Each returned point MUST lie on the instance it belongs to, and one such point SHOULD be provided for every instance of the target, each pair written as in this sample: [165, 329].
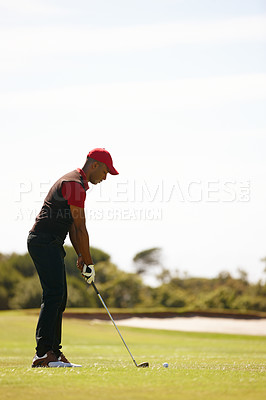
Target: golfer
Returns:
[62, 213]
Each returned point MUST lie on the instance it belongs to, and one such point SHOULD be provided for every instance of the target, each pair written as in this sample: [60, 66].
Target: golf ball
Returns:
[165, 365]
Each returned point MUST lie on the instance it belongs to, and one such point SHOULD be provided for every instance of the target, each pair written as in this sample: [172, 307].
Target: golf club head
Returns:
[143, 365]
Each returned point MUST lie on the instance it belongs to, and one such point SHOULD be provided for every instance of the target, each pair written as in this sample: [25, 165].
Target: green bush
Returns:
[3, 298]
[222, 297]
[250, 303]
[20, 287]
[168, 295]
[9, 277]
[79, 293]
[124, 291]
[22, 263]
[28, 294]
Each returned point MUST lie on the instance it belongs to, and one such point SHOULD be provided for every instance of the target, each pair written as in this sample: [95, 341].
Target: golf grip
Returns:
[95, 288]
[103, 303]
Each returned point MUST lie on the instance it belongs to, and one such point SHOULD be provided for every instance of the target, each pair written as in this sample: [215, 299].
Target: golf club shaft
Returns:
[103, 303]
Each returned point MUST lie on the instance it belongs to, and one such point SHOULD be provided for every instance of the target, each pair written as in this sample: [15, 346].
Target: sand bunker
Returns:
[200, 324]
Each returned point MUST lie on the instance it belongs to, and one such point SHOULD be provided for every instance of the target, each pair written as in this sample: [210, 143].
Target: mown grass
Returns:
[201, 366]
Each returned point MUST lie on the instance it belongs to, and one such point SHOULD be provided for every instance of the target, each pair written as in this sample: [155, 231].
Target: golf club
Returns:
[141, 365]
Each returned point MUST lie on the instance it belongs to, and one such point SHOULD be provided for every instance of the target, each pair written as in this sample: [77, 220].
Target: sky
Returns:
[175, 90]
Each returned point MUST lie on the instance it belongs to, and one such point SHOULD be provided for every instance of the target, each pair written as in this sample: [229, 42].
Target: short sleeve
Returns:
[74, 193]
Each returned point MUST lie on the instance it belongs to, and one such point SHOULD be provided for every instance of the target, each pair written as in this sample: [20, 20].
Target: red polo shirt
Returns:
[74, 192]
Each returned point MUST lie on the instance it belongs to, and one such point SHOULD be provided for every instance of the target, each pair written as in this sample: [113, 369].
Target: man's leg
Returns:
[49, 261]
[58, 327]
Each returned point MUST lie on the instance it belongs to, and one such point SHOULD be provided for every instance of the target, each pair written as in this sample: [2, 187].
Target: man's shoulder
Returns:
[73, 178]
[71, 174]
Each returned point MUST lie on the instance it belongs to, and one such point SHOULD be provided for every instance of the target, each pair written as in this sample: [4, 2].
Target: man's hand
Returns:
[88, 273]
[80, 263]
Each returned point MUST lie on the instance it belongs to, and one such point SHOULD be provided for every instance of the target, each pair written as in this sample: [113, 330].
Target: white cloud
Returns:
[164, 95]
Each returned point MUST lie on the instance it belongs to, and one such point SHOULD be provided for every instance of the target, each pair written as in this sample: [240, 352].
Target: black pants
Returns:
[47, 253]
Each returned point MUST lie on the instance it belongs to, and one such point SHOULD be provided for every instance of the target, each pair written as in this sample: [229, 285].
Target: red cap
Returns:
[103, 156]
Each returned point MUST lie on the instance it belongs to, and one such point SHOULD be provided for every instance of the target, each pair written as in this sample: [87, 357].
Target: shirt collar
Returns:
[85, 181]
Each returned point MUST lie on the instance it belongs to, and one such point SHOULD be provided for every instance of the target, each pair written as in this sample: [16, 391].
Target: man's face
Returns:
[99, 173]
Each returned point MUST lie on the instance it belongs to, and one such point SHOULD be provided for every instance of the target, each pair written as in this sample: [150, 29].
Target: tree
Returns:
[22, 263]
[79, 293]
[264, 261]
[164, 276]
[146, 259]
[125, 291]
[28, 294]
[243, 275]
[3, 298]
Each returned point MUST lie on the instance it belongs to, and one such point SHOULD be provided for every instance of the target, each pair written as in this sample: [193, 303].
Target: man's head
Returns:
[99, 163]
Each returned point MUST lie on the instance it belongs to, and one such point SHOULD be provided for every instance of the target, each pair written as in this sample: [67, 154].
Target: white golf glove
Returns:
[88, 273]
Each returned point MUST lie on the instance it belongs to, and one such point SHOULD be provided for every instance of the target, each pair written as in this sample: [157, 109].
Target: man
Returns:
[62, 213]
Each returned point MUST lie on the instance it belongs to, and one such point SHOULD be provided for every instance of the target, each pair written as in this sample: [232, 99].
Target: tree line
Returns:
[20, 287]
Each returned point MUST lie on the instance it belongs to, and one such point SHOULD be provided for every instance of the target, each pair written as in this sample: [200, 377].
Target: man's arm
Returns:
[79, 234]
[73, 238]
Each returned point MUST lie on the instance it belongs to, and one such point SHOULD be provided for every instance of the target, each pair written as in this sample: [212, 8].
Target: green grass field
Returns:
[201, 366]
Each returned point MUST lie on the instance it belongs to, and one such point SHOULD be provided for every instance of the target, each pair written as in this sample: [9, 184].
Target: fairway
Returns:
[201, 366]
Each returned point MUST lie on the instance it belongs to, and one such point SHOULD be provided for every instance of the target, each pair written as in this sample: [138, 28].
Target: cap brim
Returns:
[113, 171]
